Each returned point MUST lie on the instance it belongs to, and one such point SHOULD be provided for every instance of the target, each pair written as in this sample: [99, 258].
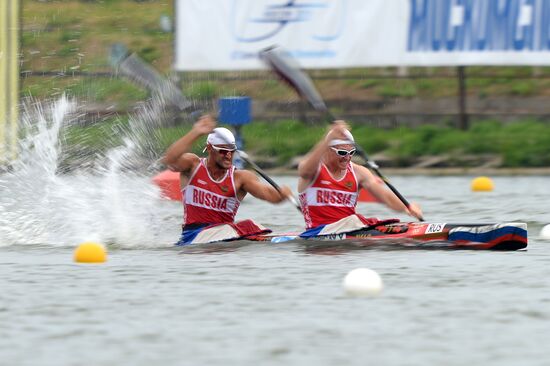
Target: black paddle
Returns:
[264, 175]
[137, 70]
[288, 69]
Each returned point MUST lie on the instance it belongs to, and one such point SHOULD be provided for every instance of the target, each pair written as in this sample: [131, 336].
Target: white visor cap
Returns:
[348, 141]
[221, 136]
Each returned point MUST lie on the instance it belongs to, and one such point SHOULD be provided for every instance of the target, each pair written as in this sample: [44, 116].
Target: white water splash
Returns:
[108, 204]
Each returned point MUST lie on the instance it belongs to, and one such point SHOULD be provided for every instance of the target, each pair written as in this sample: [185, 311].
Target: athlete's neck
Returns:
[335, 170]
[216, 171]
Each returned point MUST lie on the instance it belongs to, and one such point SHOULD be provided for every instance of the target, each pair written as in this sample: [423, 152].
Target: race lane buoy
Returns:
[482, 184]
[545, 232]
[169, 184]
[363, 282]
[90, 252]
[366, 196]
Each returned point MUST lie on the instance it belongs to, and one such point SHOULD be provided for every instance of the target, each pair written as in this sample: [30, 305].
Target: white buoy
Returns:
[545, 232]
[363, 282]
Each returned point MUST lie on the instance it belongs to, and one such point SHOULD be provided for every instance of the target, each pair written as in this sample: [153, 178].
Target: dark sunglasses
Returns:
[223, 150]
[342, 152]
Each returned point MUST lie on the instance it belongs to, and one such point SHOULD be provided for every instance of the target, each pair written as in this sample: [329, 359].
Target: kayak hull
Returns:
[503, 236]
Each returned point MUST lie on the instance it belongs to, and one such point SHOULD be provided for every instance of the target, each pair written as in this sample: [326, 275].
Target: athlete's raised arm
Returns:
[308, 167]
[177, 156]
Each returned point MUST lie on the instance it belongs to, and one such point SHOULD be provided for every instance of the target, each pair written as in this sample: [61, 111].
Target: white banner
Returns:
[227, 34]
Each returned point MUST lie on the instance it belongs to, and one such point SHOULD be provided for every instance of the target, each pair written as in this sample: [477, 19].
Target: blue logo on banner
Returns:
[479, 25]
[274, 17]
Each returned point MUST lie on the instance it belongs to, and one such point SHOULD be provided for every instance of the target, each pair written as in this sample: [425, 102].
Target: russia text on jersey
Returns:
[202, 198]
[326, 197]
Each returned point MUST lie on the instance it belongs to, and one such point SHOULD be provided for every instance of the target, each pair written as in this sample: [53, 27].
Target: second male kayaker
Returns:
[212, 188]
[329, 184]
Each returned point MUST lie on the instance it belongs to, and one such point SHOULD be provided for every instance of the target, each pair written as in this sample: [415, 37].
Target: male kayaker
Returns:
[212, 188]
[329, 184]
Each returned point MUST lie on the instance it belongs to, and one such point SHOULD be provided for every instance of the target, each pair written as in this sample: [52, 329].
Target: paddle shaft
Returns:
[264, 175]
[372, 166]
[261, 172]
[289, 71]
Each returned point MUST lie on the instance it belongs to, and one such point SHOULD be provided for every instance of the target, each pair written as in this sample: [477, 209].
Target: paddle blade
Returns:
[280, 62]
[137, 70]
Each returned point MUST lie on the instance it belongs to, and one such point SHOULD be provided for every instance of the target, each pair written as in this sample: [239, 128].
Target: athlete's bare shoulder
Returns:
[363, 174]
[186, 163]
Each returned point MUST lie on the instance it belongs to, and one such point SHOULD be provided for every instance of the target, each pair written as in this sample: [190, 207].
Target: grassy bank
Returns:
[522, 144]
[69, 41]
[66, 38]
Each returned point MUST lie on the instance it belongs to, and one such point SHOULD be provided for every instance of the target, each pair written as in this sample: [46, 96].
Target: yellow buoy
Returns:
[482, 184]
[90, 252]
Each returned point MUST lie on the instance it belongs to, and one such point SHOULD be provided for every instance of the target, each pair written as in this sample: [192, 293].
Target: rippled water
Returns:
[272, 304]
[260, 304]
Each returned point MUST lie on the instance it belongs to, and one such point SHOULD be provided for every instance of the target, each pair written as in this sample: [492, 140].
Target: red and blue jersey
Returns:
[327, 200]
[209, 201]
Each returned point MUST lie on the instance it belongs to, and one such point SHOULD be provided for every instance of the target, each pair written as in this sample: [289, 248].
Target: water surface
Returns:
[251, 304]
